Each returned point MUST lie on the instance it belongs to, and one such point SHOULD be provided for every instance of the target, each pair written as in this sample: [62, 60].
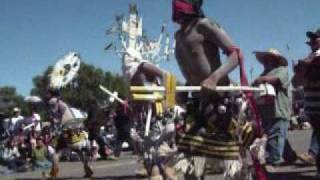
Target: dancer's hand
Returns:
[209, 84]
[208, 88]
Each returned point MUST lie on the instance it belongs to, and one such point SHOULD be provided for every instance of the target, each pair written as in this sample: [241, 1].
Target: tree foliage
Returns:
[84, 86]
[9, 98]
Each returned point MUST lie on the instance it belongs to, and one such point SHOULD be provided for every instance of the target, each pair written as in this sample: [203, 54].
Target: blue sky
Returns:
[33, 34]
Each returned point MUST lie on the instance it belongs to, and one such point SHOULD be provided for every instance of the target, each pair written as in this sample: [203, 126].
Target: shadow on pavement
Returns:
[292, 175]
[118, 177]
[97, 178]
[64, 178]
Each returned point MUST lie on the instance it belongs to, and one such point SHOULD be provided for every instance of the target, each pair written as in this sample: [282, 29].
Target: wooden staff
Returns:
[112, 95]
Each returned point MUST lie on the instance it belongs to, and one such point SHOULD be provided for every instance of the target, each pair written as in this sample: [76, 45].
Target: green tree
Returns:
[9, 98]
[84, 86]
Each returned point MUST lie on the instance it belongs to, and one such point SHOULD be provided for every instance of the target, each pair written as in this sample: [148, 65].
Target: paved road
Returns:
[126, 166]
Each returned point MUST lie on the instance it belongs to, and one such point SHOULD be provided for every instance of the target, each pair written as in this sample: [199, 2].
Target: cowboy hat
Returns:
[261, 56]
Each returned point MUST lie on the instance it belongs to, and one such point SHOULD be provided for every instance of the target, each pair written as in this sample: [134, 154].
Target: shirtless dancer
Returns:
[138, 72]
[197, 51]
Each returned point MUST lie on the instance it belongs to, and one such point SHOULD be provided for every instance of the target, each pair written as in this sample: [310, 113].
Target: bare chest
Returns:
[192, 56]
[189, 39]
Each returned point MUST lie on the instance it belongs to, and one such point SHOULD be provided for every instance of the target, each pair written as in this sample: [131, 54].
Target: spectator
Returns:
[32, 137]
[4, 133]
[33, 122]
[15, 120]
[40, 156]
[107, 140]
[5, 126]
[35, 118]
[25, 150]
[10, 156]
[307, 74]
[275, 114]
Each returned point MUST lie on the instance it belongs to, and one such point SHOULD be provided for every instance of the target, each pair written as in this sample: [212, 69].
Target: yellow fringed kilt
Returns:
[197, 145]
[214, 146]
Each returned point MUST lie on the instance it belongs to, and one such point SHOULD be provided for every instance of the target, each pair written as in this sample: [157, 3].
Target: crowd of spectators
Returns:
[28, 143]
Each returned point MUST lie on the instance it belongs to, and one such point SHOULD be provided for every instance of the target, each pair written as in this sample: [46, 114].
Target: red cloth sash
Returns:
[260, 173]
[181, 7]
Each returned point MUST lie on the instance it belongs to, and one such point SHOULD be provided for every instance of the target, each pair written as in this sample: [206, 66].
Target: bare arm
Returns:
[216, 35]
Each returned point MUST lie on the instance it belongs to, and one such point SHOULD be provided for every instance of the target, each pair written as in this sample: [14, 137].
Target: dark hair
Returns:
[53, 92]
[197, 4]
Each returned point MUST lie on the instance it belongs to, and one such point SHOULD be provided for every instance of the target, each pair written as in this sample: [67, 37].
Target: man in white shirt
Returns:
[15, 120]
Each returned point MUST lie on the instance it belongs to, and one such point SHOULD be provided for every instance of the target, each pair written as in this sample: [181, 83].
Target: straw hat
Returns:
[274, 53]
